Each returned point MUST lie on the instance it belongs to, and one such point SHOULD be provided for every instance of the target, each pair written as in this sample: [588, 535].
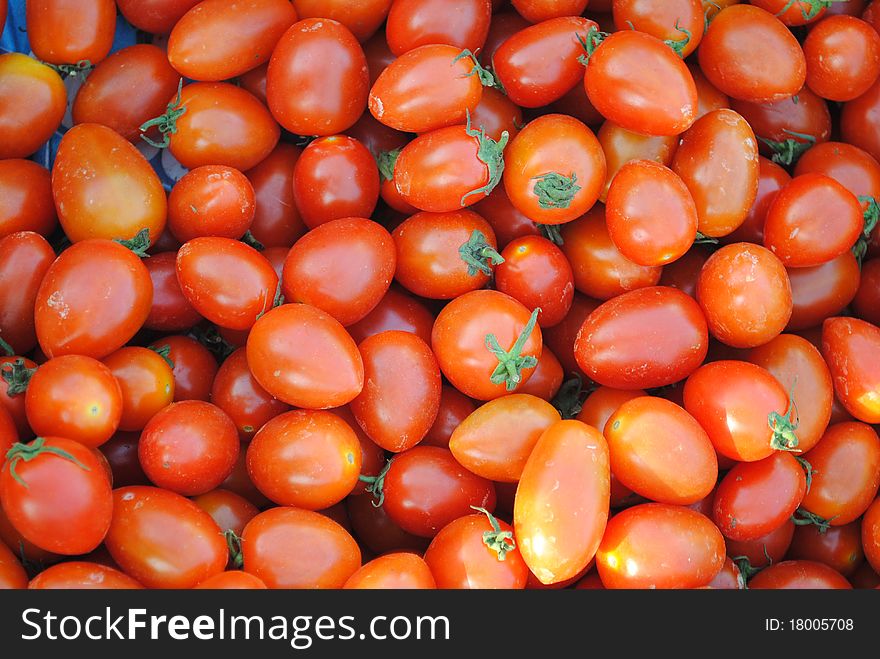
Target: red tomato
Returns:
[194, 367]
[454, 408]
[743, 408]
[397, 571]
[146, 381]
[241, 37]
[211, 201]
[12, 574]
[24, 259]
[424, 489]
[646, 338]
[546, 380]
[291, 548]
[754, 498]
[170, 310]
[15, 372]
[539, 64]
[228, 509]
[660, 100]
[82, 575]
[659, 451]
[156, 16]
[866, 303]
[26, 202]
[729, 578]
[799, 12]
[504, 218]
[395, 311]
[750, 55]
[460, 23]
[495, 113]
[766, 550]
[70, 31]
[622, 146]
[322, 60]
[281, 351]
[651, 216]
[232, 580]
[799, 575]
[822, 291]
[843, 58]
[709, 98]
[851, 347]
[655, 545]
[26, 126]
[771, 179]
[838, 547]
[55, 492]
[871, 534]
[378, 532]
[486, 343]
[277, 222]
[149, 528]
[853, 168]
[189, 447]
[92, 300]
[362, 18]
[680, 23]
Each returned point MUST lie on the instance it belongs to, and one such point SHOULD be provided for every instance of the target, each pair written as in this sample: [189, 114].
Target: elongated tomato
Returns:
[561, 504]
[70, 31]
[25, 126]
[24, 259]
[851, 347]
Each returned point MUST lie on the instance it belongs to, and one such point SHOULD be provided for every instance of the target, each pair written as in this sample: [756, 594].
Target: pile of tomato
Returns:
[446, 293]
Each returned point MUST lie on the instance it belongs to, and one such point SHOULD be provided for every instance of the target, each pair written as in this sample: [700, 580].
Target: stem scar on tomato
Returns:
[28, 452]
[17, 376]
[678, 45]
[165, 122]
[82, 67]
[376, 484]
[555, 190]
[511, 363]
[594, 39]
[475, 251]
[497, 540]
[491, 153]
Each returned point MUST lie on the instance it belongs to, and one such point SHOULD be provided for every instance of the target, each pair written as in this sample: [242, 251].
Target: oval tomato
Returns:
[71, 31]
[212, 200]
[24, 259]
[26, 126]
[397, 571]
[228, 509]
[232, 580]
[799, 575]
[194, 367]
[822, 291]
[680, 23]
[838, 547]
[622, 146]
[871, 534]
[362, 18]
[843, 58]
[851, 347]
[277, 222]
[155, 16]
[146, 381]
[12, 574]
[26, 202]
[460, 23]
[82, 575]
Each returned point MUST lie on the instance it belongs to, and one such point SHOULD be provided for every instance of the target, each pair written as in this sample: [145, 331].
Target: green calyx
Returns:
[746, 569]
[386, 160]
[594, 39]
[233, 543]
[277, 301]
[475, 252]
[249, 240]
[810, 9]
[376, 484]
[209, 337]
[28, 452]
[678, 45]
[165, 122]
[783, 426]
[487, 78]
[81, 68]
[569, 400]
[808, 471]
[555, 190]
[511, 363]
[489, 152]
[17, 375]
[8, 349]
[788, 151]
[164, 352]
[551, 232]
[497, 540]
[137, 245]
[871, 216]
[803, 517]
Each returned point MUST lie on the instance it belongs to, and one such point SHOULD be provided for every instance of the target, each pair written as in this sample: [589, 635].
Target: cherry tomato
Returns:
[655, 545]
[324, 62]
[281, 353]
[26, 202]
[546, 380]
[194, 367]
[843, 58]
[838, 547]
[650, 337]
[24, 259]
[709, 98]
[26, 126]
[70, 31]
[399, 571]
[12, 574]
[149, 528]
[232, 580]
[55, 492]
[395, 311]
[425, 489]
[853, 168]
[212, 200]
[659, 451]
[622, 146]
[288, 547]
[718, 162]
[277, 222]
[189, 447]
[679, 23]
[799, 575]
[460, 23]
[155, 16]
[362, 18]
[851, 347]
[146, 381]
[750, 55]
[82, 575]
[660, 100]
[822, 291]
[8, 432]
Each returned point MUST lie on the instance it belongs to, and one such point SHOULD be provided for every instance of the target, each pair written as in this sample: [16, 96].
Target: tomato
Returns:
[24, 259]
[170, 310]
[212, 200]
[656, 545]
[496, 439]
[729, 578]
[495, 113]
[859, 121]
[799, 575]
[277, 222]
[843, 58]
[799, 12]
[799, 228]
[194, 367]
[650, 214]
[838, 547]
[362, 18]
[454, 408]
[754, 498]
[542, 10]
[281, 351]
[241, 37]
[771, 179]
[395, 311]
[343, 267]
[146, 381]
[871, 534]
[56, 494]
[424, 489]
[82, 575]
[679, 23]
[398, 571]
[232, 580]
[659, 451]
[743, 290]
[823, 290]
[15, 372]
[226, 281]
[660, 100]
[460, 23]
[92, 300]
[12, 574]
[376, 531]
[561, 504]
[546, 380]
[846, 465]
[536, 273]
[70, 31]
[486, 343]
[323, 61]
[26, 202]
[851, 347]
[8, 432]
[622, 146]
[506, 220]
[865, 304]
[853, 168]
[155, 16]
[104, 187]
[798, 366]
[748, 54]
[539, 64]
[292, 548]
[602, 403]
[305, 459]
[26, 126]
[766, 550]
[599, 269]
[645, 338]
[718, 162]
[150, 525]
